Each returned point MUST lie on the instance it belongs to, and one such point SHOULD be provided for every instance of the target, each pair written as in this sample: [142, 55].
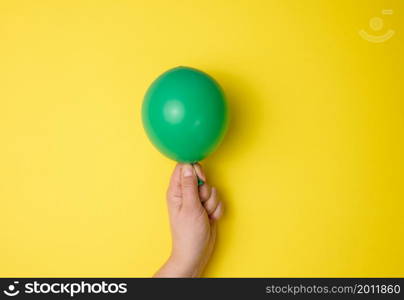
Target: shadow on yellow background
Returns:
[310, 171]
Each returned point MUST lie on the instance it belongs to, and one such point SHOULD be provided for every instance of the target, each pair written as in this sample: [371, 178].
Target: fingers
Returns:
[189, 187]
[217, 214]
[174, 187]
[213, 206]
[205, 189]
[199, 171]
[183, 191]
[174, 193]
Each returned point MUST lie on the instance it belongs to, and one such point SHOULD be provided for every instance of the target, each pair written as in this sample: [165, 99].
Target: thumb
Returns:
[189, 187]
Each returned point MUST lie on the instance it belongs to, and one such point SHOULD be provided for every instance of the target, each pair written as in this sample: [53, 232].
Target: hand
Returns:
[193, 213]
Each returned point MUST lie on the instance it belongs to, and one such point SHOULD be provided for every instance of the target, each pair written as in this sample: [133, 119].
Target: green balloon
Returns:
[185, 114]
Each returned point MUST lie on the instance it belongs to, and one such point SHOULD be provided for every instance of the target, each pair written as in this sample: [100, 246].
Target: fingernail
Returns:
[188, 171]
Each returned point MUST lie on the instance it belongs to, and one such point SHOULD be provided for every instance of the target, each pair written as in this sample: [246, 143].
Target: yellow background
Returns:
[311, 171]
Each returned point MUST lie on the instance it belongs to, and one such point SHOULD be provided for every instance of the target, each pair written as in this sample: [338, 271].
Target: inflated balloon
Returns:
[185, 114]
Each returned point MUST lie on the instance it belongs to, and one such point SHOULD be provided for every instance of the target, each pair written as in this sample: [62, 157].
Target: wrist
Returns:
[177, 267]
[184, 265]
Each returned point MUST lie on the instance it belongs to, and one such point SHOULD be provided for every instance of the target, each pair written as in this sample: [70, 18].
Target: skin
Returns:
[193, 213]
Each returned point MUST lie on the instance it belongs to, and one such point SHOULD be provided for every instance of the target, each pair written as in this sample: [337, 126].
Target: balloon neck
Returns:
[200, 182]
